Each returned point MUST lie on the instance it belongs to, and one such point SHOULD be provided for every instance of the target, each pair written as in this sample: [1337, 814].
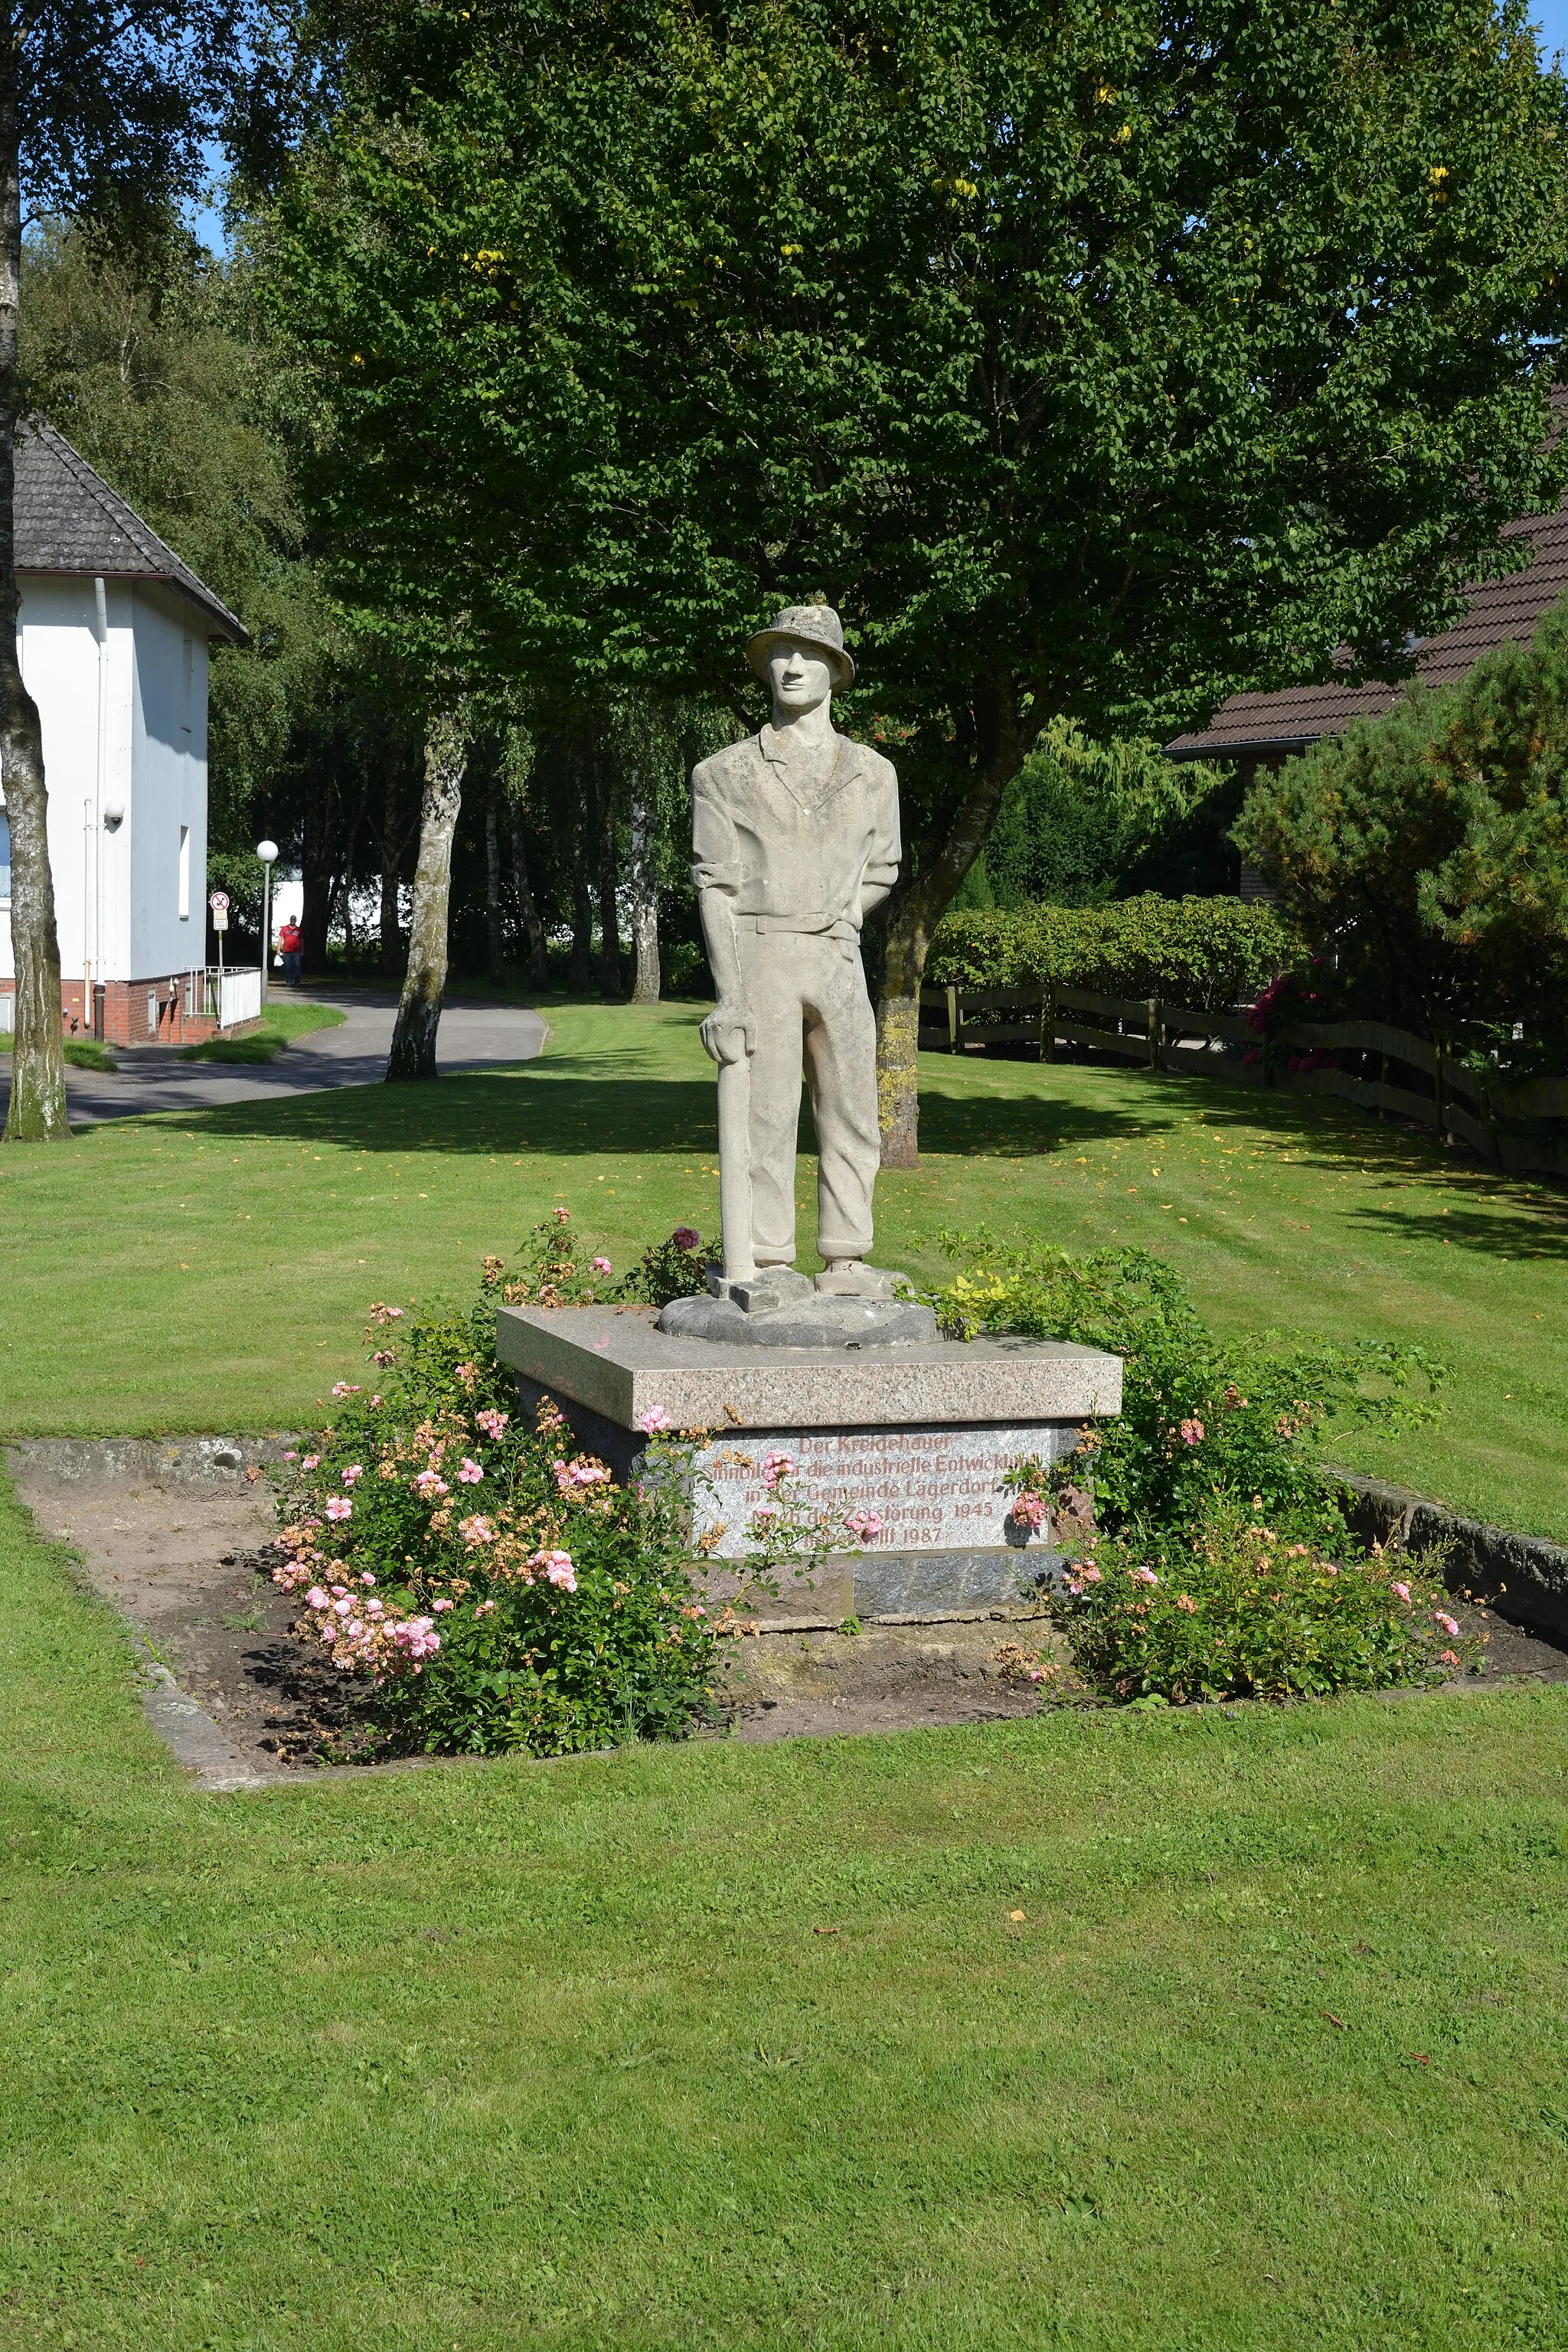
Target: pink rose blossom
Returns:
[655, 1419]
[1192, 1432]
[572, 1477]
[354, 1474]
[470, 1473]
[365, 1577]
[863, 1525]
[344, 1388]
[310, 1461]
[439, 1605]
[603, 1265]
[430, 1482]
[1402, 1591]
[476, 1530]
[1450, 1624]
[1144, 1576]
[1029, 1509]
[483, 1608]
[292, 1454]
[381, 1358]
[685, 1237]
[342, 1607]
[316, 1598]
[493, 1423]
[1088, 1570]
[339, 1507]
[557, 1567]
[774, 1467]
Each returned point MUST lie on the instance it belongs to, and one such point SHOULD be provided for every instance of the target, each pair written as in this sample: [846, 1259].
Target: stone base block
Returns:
[812, 1322]
[921, 1435]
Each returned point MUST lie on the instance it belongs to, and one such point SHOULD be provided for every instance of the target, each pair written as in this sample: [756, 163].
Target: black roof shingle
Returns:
[70, 520]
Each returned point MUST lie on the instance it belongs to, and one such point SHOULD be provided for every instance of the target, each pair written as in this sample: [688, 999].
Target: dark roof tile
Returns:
[68, 520]
[1298, 714]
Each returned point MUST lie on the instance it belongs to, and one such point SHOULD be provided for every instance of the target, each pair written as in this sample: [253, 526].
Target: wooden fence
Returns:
[1394, 1071]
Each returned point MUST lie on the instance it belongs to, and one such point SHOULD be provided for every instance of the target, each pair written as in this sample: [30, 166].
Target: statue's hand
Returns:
[729, 1033]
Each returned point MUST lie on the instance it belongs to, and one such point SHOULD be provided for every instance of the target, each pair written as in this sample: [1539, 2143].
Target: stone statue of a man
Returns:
[796, 833]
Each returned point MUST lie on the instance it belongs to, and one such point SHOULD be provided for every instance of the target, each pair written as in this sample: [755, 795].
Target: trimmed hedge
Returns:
[1207, 952]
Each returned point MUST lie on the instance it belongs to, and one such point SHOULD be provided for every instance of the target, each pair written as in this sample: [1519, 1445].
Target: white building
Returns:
[113, 636]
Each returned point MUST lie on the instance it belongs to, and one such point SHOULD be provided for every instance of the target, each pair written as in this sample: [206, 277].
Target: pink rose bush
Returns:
[1227, 1607]
[486, 1584]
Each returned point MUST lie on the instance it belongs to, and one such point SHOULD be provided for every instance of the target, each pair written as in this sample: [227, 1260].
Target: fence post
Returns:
[953, 1020]
[1049, 1026]
[1153, 1033]
[1439, 1107]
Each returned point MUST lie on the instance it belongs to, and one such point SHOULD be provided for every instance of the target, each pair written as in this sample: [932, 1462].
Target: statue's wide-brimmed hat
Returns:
[812, 624]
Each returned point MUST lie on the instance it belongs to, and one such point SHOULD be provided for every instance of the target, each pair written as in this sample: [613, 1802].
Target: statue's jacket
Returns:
[795, 854]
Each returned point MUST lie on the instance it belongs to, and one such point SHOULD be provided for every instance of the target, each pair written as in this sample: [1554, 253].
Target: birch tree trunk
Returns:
[644, 895]
[538, 963]
[391, 938]
[495, 941]
[609, 890]
[37, 1106]
[915, 913]
[413, 1053]
[582, 896]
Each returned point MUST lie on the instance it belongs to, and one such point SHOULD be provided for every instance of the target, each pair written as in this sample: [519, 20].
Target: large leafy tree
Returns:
[1095, 360]
[105, 107]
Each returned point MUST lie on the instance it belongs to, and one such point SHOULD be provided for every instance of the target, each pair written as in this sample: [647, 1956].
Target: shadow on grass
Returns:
[572, 1105]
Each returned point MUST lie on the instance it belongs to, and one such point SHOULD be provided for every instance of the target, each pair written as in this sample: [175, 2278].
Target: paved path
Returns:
[154, 1077]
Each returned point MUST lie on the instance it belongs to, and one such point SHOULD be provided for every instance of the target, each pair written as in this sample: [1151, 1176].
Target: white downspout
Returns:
[102, 785]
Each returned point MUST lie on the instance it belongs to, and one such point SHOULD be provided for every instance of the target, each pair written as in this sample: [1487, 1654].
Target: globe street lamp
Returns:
[268, 853]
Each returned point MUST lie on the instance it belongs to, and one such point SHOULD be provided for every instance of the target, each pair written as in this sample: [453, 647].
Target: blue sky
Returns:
[1551, 18]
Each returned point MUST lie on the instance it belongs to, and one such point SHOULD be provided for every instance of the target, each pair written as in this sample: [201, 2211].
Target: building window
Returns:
[187, 658]
[4, 859]
[184, 874]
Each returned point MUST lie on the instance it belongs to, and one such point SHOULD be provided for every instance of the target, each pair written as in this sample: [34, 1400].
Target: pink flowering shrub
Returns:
[487, 1587]
[1201, 1412]
[555, 1269]
[1234, 1609]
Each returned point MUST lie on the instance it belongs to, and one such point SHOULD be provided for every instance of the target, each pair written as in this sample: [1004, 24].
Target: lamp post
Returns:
[268, 853]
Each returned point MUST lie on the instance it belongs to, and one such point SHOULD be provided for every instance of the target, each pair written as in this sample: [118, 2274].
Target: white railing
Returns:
[234, 994]
[8, 1015]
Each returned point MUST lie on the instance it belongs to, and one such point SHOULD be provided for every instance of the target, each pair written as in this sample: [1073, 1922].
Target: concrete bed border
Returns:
[1523, 1578]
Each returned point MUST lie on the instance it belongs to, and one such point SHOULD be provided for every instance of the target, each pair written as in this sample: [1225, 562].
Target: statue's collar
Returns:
[771, 744]
[844, 762]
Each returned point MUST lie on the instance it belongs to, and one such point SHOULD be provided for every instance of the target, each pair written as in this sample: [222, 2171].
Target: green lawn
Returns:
[556, 2054]
[193, 1272]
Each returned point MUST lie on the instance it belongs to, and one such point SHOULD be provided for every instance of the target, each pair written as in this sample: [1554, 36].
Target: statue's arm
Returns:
[729, 1031]
[887, 850]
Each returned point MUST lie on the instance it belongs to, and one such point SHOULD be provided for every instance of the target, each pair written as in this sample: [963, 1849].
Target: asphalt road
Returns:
[154, 1077]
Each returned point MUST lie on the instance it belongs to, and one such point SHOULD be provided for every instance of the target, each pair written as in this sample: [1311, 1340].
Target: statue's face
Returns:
[800, 674]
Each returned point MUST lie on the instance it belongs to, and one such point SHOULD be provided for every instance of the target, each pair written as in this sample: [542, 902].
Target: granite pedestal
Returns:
[921, 1432]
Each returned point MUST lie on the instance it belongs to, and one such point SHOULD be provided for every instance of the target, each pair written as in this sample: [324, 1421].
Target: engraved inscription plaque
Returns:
[933, 1490]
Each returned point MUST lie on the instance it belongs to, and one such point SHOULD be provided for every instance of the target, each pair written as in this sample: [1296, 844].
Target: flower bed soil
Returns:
[188, 1565]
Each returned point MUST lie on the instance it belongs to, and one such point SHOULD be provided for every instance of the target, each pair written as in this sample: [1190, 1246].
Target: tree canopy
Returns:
[1095, 361]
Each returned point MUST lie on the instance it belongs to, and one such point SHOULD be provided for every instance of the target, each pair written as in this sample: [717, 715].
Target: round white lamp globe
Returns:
[267, 852]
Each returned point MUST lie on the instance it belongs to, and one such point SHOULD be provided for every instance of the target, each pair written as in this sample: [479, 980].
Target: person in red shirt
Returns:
[291, 942]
